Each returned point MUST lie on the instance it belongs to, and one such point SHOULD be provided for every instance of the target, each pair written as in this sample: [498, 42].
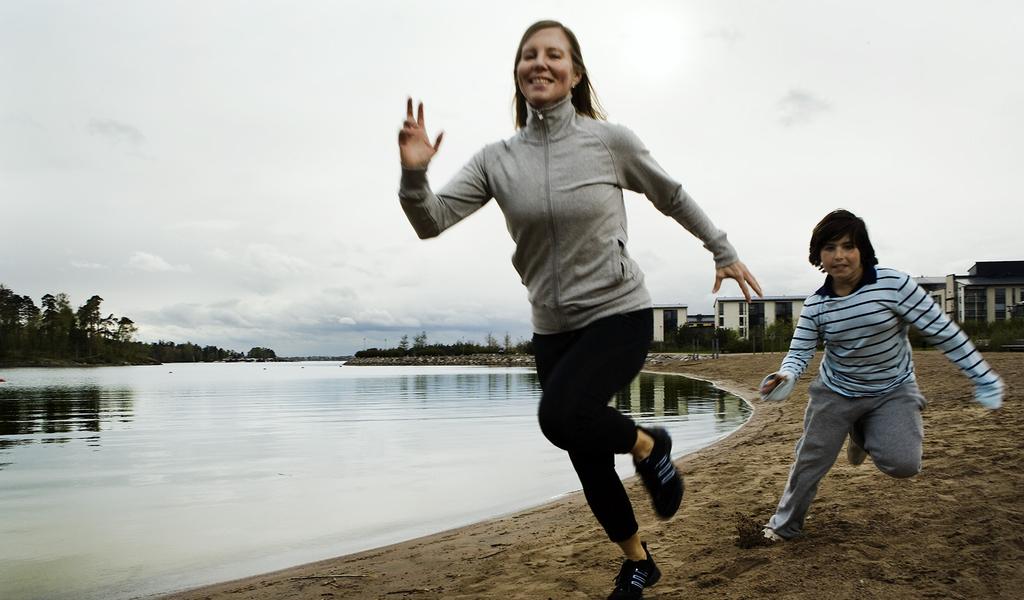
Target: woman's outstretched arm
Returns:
[431, 213]
[639, 172]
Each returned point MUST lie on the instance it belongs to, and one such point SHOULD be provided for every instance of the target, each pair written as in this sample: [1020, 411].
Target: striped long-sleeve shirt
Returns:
[867, 352]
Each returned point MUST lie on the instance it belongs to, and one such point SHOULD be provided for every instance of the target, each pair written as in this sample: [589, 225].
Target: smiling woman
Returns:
[545, 71]
[548, 67]
[559, 182]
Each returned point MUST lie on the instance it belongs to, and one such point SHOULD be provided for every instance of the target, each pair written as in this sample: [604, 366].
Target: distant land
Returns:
[313, 358]
[58, 335]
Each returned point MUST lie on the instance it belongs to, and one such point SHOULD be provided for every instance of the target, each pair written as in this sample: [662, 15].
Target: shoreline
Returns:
[492, 360]
[55, 363]
[955, 530]
[461, 360]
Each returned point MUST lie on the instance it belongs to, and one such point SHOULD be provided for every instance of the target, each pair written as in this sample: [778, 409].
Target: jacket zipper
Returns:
[551, 219]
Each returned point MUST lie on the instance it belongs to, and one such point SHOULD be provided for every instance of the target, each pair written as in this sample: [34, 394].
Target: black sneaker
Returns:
[634, 576]
[664, 483]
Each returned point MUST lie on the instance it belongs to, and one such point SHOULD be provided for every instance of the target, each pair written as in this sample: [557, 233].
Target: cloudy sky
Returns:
[225, 172]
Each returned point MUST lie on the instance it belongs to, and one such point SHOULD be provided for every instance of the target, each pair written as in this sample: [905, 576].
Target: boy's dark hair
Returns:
[835, 225]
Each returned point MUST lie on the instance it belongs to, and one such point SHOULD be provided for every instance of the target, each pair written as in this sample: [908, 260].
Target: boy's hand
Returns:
[777, 386]
[989, 395]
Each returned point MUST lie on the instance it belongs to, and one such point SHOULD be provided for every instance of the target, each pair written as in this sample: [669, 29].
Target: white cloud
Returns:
[144, 261]
[724, 34]
[87, 265]
[263, 267]
[800, 106]
[116, 132]
[207, 225]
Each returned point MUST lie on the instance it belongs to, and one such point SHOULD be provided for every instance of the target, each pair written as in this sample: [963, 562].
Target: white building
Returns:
[668, 318]
[757, 315]
[990, 291]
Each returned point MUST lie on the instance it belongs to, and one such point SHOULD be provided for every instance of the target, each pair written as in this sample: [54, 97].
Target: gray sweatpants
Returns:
[889, 427]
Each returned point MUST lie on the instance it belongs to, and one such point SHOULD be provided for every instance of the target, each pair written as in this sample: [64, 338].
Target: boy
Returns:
[865, 387]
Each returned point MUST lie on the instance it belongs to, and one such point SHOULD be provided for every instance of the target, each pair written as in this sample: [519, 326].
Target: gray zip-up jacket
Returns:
[559, 183]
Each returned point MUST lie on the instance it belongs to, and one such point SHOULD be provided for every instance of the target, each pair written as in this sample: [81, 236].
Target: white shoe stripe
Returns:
[638, 580]
[666, 472]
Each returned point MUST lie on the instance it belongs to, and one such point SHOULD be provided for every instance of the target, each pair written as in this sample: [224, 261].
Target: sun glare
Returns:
[657, 43]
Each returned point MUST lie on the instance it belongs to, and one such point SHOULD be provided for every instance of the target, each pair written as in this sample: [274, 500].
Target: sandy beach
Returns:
[954, 531]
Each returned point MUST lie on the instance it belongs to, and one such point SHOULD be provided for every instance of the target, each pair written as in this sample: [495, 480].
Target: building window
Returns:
[784, 312]
[670, 320]
[757, 314]
[1000, 304]
[743, 308]
[755, 320]
[721, 308]
[721, 321]
[974, 305]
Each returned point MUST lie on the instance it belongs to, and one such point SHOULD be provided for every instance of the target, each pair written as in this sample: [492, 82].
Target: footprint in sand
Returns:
[742, 565]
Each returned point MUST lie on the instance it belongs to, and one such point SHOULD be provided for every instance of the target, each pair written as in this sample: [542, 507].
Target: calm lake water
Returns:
[122, 482]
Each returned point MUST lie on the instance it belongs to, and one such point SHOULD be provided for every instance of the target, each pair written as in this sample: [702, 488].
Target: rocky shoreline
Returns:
[494, 360]
[465, 360]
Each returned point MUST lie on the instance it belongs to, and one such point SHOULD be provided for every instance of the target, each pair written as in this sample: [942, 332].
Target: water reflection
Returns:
[649, 396]
[51, 415]
[430, 389]
[480, 393]
[194, 465]
[658, 395]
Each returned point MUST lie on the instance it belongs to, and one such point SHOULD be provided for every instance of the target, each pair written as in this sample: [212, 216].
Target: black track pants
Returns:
[579, 372]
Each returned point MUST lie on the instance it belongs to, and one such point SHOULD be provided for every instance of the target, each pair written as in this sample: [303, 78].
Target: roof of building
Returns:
[990, 280]
[762, 299]
[997, 268]
[930, 280]
[669, 306]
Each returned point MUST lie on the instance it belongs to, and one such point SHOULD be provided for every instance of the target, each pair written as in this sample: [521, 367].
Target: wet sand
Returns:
[956, 530]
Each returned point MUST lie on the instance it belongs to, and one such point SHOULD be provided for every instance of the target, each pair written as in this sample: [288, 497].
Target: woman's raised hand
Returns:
[741, 274]
[414, 145]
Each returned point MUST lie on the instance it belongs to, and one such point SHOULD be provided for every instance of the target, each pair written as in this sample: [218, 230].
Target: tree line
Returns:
[57, 332]
[700, 338]
[687, 338]
[420, 346]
